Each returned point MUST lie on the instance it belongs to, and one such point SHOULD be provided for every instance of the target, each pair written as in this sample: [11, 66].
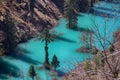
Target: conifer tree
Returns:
[55, 63]
[31, 5]
[71, 10]
[31, 9]
[31, 72]
[46, 37]
[9, 29]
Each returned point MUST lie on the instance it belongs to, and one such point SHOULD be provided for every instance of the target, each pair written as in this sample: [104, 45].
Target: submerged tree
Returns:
[71, 11]
[9, 29]
[87, 39]
[31, 72]
[55, 63]
[46, 37]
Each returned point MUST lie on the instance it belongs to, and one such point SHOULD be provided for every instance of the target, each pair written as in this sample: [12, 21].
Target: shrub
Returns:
[87, 65]
[94, 51]
[111, 48]
[97, 61]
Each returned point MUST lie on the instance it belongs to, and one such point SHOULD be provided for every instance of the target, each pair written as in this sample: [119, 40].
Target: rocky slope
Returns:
[46, 13]
[102, 73]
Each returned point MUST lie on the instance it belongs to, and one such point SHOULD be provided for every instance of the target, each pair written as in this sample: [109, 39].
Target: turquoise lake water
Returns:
[64, 46]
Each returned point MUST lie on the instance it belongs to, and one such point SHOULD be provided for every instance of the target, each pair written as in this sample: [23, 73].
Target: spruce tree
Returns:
[87, 65]
[46, 37]
[31, 9]
[71, 10]
[55, 63]
[10, 42]
[31, 5]
[31, 72]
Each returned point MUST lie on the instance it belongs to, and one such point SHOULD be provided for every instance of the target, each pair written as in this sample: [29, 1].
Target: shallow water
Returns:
[64, 46]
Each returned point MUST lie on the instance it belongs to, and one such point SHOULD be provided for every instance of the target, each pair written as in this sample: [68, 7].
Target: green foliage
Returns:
[10, 42]
[98, 61]
[94, 51]
[87, 65]
[55, 63]
[31, 5]
[46, 36]
[31, 72]
[1, 51]
[71, 10]
[84, 5]
[87, 39]
[111, 48]
[99, 52]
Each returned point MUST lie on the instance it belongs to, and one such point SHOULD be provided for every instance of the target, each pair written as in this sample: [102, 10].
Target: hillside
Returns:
[46, 13]
[88, 71]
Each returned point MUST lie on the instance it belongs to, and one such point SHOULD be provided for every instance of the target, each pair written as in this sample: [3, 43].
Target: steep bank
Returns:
[46, 13]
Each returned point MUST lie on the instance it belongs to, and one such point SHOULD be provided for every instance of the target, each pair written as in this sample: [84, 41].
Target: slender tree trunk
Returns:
[46, 56]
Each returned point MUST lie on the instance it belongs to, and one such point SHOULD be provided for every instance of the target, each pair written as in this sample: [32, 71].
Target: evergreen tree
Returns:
[55, 63]
[84, 5]
[46, 37]
[71, 10]
[9, 29]
[31, 5]
[31, 9]
[31, 72]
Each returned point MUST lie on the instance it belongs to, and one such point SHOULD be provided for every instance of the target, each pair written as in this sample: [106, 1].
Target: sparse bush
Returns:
[87, 65]
[111, 48]
[97, 61]
[94, 51]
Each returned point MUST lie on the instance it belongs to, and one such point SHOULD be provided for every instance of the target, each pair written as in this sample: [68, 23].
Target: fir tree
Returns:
[71, 10]
[31, 5]
[46, 37]
[31, 9]
[31, 72]
[55, 63]
[9, 29]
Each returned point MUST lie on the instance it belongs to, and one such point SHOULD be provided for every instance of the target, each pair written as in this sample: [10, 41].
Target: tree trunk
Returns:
[46, 63]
